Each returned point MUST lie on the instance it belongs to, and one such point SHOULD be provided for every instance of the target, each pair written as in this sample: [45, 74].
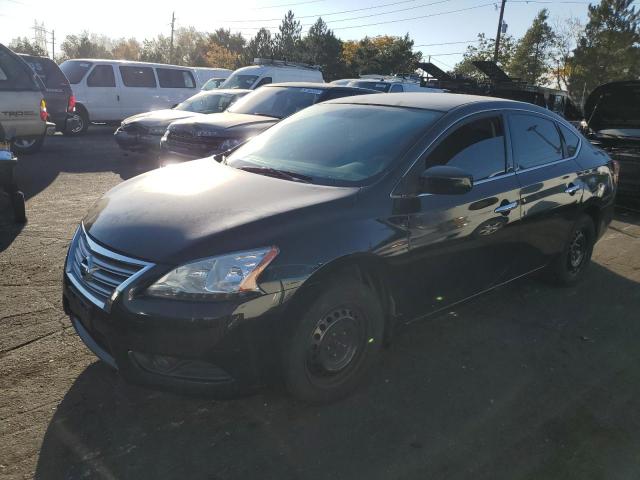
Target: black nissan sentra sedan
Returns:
[203, 136]
[297, 256]
[142, 132]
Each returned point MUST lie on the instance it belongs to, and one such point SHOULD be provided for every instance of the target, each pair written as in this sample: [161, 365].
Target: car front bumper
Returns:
[221, 349]
[629, 181]
[137, 142]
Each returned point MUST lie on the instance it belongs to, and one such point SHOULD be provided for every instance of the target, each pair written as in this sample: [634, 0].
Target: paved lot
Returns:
[528, 382]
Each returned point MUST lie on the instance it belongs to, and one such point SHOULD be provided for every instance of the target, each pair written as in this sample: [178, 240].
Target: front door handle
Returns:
[507, 207]
[572, 189]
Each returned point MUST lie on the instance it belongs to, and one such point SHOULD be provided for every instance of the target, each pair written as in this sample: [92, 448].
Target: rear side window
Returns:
[535, 140]
[75, 70]
[14, 74]
[102, 76]
[477, 147]
[138, 76]
[173, 78]
[264, 81]
[571, 140]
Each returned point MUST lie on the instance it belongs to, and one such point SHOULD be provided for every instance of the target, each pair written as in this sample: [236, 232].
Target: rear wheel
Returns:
[334, 343]
[27, 145]
[79, 122]
[570, 267]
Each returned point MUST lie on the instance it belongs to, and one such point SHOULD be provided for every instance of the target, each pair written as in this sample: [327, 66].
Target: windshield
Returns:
[239, 81]
[379, 86]
[278, 102]
[75, 70]
[212, 83]
[336, 144]
[207, 102]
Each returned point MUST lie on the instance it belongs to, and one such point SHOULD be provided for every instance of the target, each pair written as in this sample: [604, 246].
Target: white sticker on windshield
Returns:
[311, 90]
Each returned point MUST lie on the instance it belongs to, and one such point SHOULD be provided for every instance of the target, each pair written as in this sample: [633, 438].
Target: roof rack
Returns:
[283, 63]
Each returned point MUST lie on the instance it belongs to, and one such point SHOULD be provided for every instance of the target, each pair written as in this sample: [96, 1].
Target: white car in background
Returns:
[265, 71]
[107, 91]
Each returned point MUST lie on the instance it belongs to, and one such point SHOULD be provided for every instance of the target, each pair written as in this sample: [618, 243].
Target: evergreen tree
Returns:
[532, 58]
[483, 50]
[321, 47]
[288, 41]
[609, 49]
[23, 45]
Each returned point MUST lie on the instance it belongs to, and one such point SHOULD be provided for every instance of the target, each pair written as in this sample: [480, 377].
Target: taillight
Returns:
[615, 168]
[72, 104]
[43, 111]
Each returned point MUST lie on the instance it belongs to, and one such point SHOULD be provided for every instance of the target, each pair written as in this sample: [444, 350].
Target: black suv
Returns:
[203, 136]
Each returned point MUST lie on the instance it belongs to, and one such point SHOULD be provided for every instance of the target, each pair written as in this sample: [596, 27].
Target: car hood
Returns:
[223, 121]
[202, 208]
[614, 105]
[160, 117]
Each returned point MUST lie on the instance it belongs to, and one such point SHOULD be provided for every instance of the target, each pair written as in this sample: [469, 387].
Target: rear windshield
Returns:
[336, 144]
[75, 70]
[15, 74]
[239, 81]
[379, 86]
[48, 71]
[208, 102]
[278, 102]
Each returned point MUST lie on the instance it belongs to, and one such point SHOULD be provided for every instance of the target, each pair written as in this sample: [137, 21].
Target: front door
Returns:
[102, 94]
[460, 245]
[551, 189]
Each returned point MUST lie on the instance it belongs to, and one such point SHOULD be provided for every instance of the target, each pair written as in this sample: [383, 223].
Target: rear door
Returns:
[176, 85]
[102, 94]
[140, 92]
[551, 191]
[460, 245]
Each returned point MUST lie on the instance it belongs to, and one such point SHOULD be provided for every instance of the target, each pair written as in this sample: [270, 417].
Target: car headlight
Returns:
[209, 277]
[229, 143]
[157, 130]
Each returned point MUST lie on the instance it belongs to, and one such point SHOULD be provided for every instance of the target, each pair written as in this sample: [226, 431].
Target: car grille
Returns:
[97, 272]
[134, 128]
[187, 140]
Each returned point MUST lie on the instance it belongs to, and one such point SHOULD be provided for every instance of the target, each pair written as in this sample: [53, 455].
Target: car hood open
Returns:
[614, 105]
[198, 209]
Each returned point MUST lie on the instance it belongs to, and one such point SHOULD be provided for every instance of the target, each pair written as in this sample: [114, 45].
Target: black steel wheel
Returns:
[570, 266]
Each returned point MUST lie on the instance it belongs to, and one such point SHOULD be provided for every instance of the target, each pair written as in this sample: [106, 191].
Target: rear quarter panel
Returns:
[20, 113]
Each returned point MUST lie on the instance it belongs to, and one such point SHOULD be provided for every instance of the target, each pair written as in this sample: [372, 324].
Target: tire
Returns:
[19, 211]
[27, 145]
[83, 123]
[318, 369]
[570, 267]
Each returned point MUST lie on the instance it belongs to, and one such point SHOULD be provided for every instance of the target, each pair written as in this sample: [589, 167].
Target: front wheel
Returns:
[27, 145]
[571, 265]
[334, 343]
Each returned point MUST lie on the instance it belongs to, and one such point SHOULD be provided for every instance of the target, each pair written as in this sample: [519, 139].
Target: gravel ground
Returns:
[527, 382]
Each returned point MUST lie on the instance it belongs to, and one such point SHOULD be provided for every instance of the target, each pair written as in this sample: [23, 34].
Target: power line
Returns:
[288, 4]
[442, 63]
[445, 43]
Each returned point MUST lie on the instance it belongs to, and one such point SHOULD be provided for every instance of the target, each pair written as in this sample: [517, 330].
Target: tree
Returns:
[221, 57]
[260, 46]
[233, 42]
[86, 45]
[483, 50]
[567, 35]
[608, 50]
[23, 45]
[156, 50]
[288, 41]
[124, 49]
[321, 47]
[532, 58]
[382, 55]
[190, 47]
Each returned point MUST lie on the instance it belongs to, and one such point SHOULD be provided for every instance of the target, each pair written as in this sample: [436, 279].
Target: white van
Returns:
[265, 71]
[111, 90]
[204, 74]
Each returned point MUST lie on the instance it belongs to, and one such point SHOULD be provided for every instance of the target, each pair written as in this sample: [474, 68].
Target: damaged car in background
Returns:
[142, 132]
[612, 122]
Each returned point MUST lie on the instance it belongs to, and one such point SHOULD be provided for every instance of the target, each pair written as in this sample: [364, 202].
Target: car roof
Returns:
[227, 90]
[443, 102]
[319, 86]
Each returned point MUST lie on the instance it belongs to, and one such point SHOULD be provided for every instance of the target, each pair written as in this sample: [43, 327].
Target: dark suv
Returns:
[304, 249]
[56, 90]
[202, 136]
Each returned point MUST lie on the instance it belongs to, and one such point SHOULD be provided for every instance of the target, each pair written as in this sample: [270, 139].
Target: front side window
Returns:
[239, 81]
[477, 147]
[264, 81]
[336, 144]
[206, 102]
[535, 140]
[75, 70]
[102, 76]
[174, 78]
[571, 140]
[138, 76]
[396, 89]
[278, 102]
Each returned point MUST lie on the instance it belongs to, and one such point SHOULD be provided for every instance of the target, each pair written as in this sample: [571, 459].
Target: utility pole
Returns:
[173, 22]
[495, 54]
[53, 45]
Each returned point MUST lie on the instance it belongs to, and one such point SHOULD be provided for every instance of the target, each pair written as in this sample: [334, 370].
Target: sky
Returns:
[428, 22]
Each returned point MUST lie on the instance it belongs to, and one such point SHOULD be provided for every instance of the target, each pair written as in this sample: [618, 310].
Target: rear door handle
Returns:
[507, 207]
[572, 189]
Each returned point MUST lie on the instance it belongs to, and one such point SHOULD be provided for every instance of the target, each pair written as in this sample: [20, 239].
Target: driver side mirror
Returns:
[443, 180]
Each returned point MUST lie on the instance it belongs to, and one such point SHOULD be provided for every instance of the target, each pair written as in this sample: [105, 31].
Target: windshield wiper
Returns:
[274, 172]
